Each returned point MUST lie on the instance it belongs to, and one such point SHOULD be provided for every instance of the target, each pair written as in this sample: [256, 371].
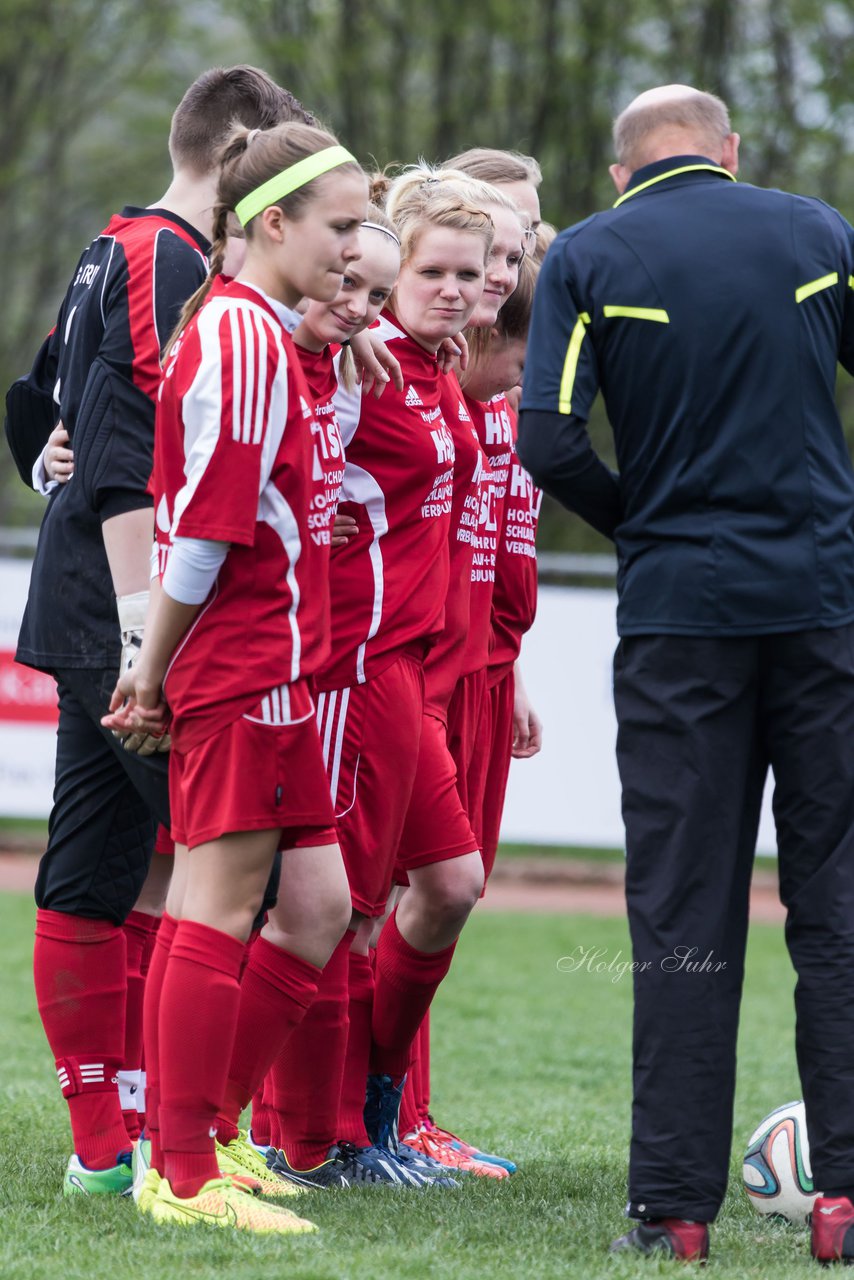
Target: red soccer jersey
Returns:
[388, 584]
[515, 598]
[328, 462]
[233, 462]
[492, 424]
[444, 662]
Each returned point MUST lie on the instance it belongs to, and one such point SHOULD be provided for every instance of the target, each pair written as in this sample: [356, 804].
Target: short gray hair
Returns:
[703, 115]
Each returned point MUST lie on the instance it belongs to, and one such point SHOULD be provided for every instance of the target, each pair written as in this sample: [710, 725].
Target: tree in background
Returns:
[89, 88]
[548, 77]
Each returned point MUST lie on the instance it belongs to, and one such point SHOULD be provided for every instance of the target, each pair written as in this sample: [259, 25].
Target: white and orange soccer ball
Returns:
[777, 1172]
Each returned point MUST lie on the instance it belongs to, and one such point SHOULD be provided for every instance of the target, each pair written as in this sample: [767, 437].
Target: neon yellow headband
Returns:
[296, 175]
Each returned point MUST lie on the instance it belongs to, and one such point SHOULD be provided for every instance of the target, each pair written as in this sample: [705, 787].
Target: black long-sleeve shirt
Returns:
[100, 370]
[711, 314]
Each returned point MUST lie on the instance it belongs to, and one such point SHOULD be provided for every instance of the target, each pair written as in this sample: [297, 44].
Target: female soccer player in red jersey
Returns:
[236, 631]
[496, 358]
[496, 367]
[519, 176]
[438, 842]
[388, 586]
[365, 289]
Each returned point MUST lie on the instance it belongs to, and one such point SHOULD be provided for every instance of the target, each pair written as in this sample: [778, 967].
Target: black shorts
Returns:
[106, 806]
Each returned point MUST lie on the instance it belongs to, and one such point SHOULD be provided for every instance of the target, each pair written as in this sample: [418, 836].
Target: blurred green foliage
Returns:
[88, 89]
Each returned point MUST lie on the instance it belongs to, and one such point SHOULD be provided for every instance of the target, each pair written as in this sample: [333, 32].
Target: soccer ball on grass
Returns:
[777, 1172]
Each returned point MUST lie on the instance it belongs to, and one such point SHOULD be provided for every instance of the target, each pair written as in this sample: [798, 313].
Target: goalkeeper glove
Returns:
[132, 610]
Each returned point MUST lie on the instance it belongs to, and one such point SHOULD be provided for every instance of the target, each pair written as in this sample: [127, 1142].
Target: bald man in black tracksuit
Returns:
[712, 314]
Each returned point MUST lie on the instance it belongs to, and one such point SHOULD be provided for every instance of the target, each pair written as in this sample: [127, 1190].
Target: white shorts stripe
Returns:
[339, 744]
[330, 717]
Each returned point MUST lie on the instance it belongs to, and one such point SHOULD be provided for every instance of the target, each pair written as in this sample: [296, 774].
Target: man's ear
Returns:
[620, 176]
[729, 154]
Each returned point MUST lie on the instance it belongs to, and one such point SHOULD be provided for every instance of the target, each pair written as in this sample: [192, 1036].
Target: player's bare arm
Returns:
[138, 702]
[375, 365]
[527, 726]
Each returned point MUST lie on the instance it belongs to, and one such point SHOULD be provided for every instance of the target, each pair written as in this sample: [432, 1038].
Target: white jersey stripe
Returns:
[234, 320]
[275, 510]
[321, 709]
[249, 337]
[360, 486]
[285, 696]
[261, 383]
[265, 711]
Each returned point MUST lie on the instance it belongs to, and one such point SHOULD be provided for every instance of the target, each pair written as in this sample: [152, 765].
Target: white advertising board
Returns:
[570, 793]
[27, 710]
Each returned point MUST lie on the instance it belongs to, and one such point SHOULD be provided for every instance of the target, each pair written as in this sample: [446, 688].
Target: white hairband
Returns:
[376, 226]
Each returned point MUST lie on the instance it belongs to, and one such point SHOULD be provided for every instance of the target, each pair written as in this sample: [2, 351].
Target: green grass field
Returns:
[528, 1060]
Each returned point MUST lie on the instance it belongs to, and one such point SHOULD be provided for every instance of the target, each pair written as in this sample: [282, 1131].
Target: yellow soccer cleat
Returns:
[145, 1192]
[222, 1204]
[240, 1161]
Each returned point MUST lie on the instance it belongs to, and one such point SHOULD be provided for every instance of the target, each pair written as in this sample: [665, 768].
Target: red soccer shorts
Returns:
[497, 744]
[370, 735]
[164, 844]
[436, 828]
[259, 773]
[464, 718]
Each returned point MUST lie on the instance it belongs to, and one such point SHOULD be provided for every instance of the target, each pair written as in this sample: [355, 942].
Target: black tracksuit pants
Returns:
[700, 720]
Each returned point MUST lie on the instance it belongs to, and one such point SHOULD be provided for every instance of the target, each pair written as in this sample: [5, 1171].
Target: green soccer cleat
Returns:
[80, 1181]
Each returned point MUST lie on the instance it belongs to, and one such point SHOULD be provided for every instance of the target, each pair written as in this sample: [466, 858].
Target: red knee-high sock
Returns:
[139, 929]
[199, 1006]
[261, 1118]
[144, 966]
[306, 1077]
[79, 968]
[406, 981]
[276, 992]
[274, 1089]
[351, 1121]
[422, 1076]
[151, 1034]
[409, 1118]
